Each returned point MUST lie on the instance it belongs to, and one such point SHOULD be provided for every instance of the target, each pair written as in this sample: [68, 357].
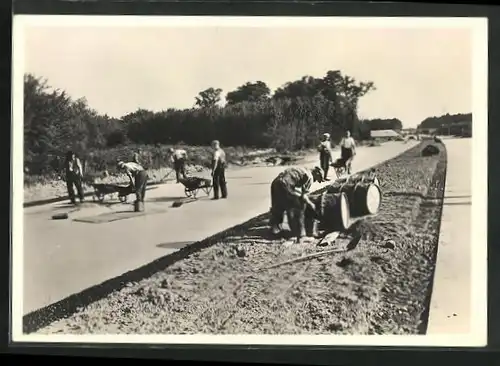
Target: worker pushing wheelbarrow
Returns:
[343, 165]
[138, 181]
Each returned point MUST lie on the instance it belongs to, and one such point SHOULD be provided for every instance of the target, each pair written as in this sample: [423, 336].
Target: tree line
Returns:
[446, 120]
[291, 118]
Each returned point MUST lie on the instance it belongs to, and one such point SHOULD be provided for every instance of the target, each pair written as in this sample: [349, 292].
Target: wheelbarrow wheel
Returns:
[100, 197]
[188, 192]
[122, 199]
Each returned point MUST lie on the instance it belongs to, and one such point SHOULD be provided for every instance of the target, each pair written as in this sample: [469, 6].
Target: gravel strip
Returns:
[379, 286]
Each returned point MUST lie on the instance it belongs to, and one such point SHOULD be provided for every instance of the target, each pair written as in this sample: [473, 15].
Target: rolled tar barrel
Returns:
[332, 210]
[364, 197]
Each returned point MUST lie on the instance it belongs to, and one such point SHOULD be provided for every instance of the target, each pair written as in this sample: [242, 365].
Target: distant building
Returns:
[385, 135]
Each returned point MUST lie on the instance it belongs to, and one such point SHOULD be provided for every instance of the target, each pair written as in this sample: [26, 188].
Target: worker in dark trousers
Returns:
[74, 176]
[289, 194]
[219, 171]
[138, 179]
[325, 154]
[348, 150]
[178, 157]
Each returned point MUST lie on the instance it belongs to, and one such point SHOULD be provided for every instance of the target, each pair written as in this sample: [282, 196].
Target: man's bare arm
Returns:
[131, 178]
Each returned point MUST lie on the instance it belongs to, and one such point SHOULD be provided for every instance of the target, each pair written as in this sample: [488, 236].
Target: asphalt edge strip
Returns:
[424, 325]
[68, 306]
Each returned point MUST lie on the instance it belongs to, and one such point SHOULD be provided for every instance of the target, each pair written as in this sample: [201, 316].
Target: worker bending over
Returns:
[289, 193]
[178, 157]
[325, 154]
[138, 178]
[219, 171]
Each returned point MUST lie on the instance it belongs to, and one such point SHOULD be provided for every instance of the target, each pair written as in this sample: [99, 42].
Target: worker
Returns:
[348, 150]
[74, 176]
[219, 171]
[137, 157]
[325, 154]
[178, 157]
[138, 178]
[290, 194]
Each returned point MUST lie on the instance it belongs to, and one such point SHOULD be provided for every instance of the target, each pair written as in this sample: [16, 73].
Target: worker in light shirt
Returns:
[290, 194]
[348, 150]
[178, 157]
[138, 178]
[219, 171]
[325, 154]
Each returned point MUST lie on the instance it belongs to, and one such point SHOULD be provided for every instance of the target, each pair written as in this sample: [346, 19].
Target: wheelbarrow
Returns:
[192, 186]
[101, 190]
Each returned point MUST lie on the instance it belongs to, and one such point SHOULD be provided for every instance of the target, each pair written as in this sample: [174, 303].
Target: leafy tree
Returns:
[293, 118]
[307, 86]
[208, 98]
[445, 120]
[249, 92]
[383, 124]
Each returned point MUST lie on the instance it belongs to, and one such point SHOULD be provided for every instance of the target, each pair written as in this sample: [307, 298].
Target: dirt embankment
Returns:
[379, 286]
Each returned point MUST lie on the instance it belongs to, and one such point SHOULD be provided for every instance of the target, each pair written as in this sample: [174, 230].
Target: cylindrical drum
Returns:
[333, 211]
[364, 197]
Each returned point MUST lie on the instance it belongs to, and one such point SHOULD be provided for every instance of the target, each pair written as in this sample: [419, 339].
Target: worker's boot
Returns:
[311, 226]
[138, 206]
[296, 224]
[276, 229]
[276, 221]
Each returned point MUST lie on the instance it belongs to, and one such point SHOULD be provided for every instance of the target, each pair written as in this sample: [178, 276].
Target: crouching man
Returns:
[138, 179]
[290, 195]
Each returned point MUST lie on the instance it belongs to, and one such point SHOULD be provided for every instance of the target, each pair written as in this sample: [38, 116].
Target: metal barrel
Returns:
[334, 213]
[364, 195]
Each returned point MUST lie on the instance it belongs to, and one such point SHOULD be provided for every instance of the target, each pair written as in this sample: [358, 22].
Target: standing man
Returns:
[178, 157]
[325, 154]
[348, 150]
[137, 157]
[290, 195]
[219, 171]
[74, 176]
[138, 179]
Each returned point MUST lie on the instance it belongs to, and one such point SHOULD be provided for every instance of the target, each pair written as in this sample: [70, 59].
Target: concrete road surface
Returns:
[63, 257]
[450, 308]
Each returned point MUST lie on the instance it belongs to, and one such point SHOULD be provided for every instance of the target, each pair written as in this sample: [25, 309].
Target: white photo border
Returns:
[479, 28]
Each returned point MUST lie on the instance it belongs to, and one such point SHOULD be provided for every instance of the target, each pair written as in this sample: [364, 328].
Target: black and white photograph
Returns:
[250, 180]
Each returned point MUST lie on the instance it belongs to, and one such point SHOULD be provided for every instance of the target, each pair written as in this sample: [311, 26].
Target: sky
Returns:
[418, 72]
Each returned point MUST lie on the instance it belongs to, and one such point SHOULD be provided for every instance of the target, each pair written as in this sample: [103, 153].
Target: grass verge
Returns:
[381, 285]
